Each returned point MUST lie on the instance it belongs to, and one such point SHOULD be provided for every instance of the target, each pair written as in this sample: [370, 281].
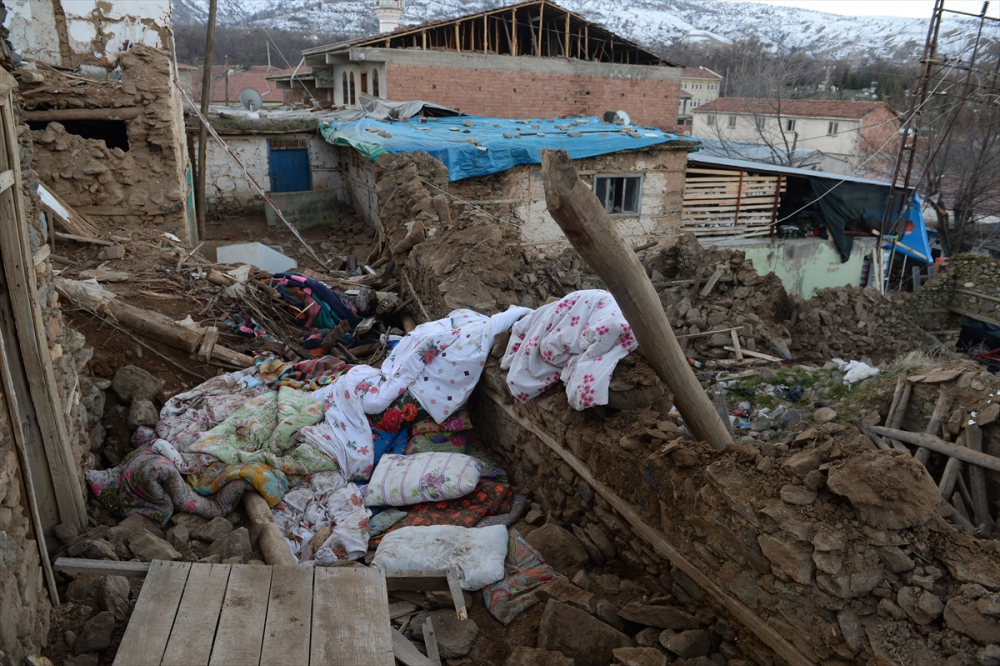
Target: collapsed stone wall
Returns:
[836, 547]
[143, 186]
[967, 282]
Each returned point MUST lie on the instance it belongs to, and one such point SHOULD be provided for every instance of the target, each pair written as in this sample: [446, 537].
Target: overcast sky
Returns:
[908, 8]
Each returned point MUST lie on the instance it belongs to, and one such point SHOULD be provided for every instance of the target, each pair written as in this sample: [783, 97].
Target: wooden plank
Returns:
[208, 340]
[940, 446]
[6, 180]
[193, 634]
[152, 619]
[736, 345]
[68, 218]
[430, 642]
[289, 617]
[739, 612]
[945, 398]
[350, 621]
[76, 566]
[710, 285]
[82, 239]
[753, 354]
[406, 652]
[241, 623]
[31, 339]
[456, 593]
[417, 580]
[977, 481]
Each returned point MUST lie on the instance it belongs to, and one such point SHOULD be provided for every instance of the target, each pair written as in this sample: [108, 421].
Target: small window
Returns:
[790, 125]
[833, 129]
[732, 121]
[710, 119]
[346, 90]
[375, 83]
[352, 102]
[620, 195]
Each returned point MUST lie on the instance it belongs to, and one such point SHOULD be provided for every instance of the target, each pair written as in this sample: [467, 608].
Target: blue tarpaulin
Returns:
[477, 146]
[915, 239]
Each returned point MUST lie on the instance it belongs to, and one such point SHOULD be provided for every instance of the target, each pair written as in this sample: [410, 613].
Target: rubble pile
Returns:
[138, 184]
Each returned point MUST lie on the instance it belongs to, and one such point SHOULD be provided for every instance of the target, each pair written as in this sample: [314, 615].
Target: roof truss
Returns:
[536, 28]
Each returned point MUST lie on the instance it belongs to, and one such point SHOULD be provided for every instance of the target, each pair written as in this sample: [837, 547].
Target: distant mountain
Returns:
[650, 22]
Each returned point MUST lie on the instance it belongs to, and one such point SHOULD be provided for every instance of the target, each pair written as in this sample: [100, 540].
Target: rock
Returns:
[662, 617]
[82, 587]
[582, 580]
[142, 413]
[147, 548]
[601, 540]
[528, 656]
[234, 544]
[66, 532]
[888, 488]
[790, 419]
[895, 560]
[534, 517]
[136, 523]
[989, 655]
[989, 604]
[889, 609]
[576, 634]
[88, 659]
[96, 549]
[213, 530]
[607, 612]
[829, 563]
[131, 383]
[648, 637]
[792, 557]
[114, 595]
[688, 644]
[962, 615]
[827, 541]
[640, 656]
[562, 590]
[850, 629]
[111, 252]
[720, 340]
[178, 536]
[761, 423]
[797, 495]
[559, 548]
[803, 462]
[96, 634]
[456, 638]
[922, 606]
[824, 415]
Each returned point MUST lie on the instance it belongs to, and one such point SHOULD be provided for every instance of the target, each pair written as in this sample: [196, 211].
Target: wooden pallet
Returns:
[214, 614]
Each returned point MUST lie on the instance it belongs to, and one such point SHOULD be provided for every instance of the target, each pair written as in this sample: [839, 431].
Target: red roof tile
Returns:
[699, 73]
[803, 108]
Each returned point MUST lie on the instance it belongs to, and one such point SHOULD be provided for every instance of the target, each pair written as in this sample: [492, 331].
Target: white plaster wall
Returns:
[32, 27]
[93, 28]
[227, 188]
[811, 133]
[356, 68]
[654, 219]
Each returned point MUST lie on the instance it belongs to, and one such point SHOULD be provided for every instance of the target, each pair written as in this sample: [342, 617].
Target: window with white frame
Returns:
[833, 128]
[732, 121]
[710, 119]
[620, 195]
[790, 125]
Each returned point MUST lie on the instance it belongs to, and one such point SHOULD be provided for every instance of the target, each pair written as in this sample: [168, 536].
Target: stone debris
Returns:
[577, 634]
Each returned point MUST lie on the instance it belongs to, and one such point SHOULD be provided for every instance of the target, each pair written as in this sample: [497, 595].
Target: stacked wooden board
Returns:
[720, 202]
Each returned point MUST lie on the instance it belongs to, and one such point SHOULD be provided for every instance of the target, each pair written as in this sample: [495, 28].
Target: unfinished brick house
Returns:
[533, 59]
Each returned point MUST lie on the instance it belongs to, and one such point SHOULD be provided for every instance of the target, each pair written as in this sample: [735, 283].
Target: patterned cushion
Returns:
[424, 477]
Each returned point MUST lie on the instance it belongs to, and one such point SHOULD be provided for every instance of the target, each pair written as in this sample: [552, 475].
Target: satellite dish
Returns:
[251, 100]
[625, 117]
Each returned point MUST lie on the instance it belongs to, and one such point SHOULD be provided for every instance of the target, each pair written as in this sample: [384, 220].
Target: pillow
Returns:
[424, 477]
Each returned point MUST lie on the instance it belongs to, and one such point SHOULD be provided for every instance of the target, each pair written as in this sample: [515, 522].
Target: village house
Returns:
[847, 133]
[699, 86]
[533, 59]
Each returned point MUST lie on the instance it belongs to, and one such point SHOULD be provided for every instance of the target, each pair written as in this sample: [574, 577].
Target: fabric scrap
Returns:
[325, 500]
[383, 520]
[525, 572]
[578, 339]
[477, 554]
[308, 375]
[271, 483]
[518, 505]
[147, 483]
[488, 499]
[425, 477]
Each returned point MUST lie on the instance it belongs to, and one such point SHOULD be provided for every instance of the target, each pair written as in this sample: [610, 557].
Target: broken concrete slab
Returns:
[255, 254]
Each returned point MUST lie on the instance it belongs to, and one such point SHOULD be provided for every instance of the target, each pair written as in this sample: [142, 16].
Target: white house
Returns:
[846, 133]
[699, 86]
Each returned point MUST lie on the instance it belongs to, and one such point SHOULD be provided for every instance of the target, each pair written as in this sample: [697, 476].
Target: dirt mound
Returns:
[887, 488]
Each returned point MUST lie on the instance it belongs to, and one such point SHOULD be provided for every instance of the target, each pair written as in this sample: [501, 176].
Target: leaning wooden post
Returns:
[587, 226]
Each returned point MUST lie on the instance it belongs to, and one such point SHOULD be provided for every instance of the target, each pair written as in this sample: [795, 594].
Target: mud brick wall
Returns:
[843, 584]
[520, 94]
[145, 185]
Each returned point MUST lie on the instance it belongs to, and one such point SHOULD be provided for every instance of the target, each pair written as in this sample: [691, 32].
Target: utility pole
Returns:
[227, 80]
[725, 91]
[206, 96]
[268, 45]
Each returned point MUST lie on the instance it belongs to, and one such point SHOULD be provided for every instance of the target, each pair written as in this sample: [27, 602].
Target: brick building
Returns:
[533, 59]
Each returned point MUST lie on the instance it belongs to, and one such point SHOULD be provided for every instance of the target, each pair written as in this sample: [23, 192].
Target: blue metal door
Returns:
[289, 168]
